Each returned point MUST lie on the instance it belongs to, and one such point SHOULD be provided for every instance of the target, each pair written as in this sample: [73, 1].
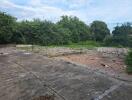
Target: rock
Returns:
[104, 65]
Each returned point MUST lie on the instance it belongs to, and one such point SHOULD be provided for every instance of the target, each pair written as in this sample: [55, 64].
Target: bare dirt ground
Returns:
[26, 76]
[96, 62]
[107, 60]
[112, 65]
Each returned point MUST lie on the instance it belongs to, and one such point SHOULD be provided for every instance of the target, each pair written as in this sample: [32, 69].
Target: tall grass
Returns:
[85, 44]
[128, 62]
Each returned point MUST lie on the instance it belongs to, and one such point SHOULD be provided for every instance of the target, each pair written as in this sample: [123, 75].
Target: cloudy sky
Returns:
[110, 11]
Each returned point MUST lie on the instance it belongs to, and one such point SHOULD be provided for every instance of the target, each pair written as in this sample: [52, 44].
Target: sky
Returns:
[110, 11]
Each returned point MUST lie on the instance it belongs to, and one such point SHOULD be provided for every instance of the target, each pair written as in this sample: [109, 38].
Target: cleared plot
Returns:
[109, 61]
[25, 76]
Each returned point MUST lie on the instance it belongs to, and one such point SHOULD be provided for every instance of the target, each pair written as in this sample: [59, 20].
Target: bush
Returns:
[108, 41]
[118, 41]
[7, 23]
[129, 62]
[88, 42]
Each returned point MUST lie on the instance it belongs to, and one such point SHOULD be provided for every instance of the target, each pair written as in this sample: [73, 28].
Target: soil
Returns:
[113, 66]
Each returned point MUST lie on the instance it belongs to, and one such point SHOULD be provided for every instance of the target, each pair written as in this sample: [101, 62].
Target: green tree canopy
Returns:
[123, 30]
[123, 35]
[79, 31]
[7, 23]
[99, 30]
[68, 29]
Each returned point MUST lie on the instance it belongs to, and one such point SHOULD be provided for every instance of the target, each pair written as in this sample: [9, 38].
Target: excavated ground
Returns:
[108, 64]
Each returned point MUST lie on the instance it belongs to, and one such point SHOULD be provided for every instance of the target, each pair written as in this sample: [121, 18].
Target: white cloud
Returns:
[112, 11]
[86, 10]
[34, 9]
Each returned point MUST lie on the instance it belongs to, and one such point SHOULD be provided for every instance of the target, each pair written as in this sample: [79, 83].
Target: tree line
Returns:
[69, 29]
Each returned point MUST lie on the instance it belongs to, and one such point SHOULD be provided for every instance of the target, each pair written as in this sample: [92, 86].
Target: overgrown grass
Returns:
[80, 45]
[128, 62]
[85, 44]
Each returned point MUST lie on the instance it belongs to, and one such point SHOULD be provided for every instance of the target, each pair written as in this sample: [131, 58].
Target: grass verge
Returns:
[128, 62]
[80, 45]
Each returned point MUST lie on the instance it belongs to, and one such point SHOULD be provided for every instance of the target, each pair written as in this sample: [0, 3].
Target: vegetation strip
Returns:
[128, 62]
[69, 30]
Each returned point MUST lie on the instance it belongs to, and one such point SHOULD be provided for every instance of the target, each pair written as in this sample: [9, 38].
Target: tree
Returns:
[99, 30]
[6, 27]
[64, 36]
[79, 31]
[123, 30]
[122, 35]
[40, 32]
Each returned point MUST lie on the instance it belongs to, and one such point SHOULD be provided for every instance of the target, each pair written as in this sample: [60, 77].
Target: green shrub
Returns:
[84, 44]
[129, 62]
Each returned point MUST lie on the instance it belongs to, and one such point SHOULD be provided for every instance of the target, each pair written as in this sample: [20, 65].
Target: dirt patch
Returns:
[113, 66]
[107, 60]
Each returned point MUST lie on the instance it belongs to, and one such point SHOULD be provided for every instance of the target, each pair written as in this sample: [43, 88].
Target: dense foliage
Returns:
[6, 27]
[67, 30]
[121, 36]
[129, 62]
[79, 31]
[40, 32]
[99, 30]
